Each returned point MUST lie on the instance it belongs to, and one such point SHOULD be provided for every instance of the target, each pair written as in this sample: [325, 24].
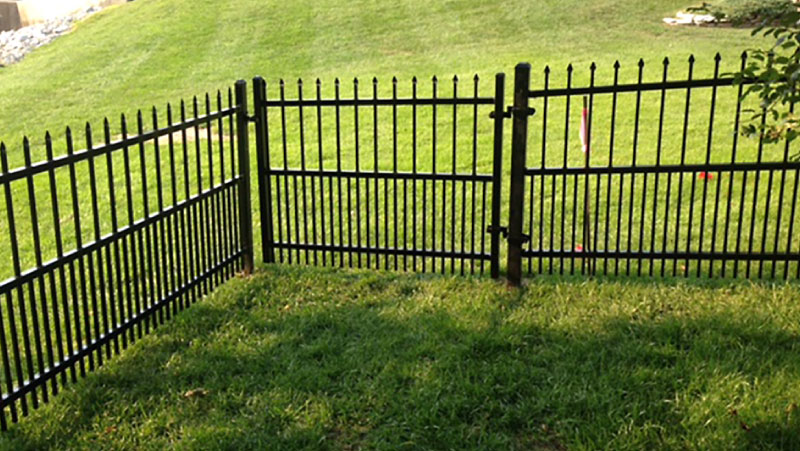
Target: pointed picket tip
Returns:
[593, 66]
[374, 80]
[336, 81]
[691, 59]
[318, 82]
[414, 79]
[299, 82]
[717, 57]
[282, 82]
[26, 150]
[546, 69]
[48, 145]
[476, 77]
[569, 67]
[68, 133]
[641, 63]
[89, 134]
[106, 124]
[666, 61]
[616, 64]
[455, 78]
[744, 55]
[434, 79]
[355, 80]
[394, 80]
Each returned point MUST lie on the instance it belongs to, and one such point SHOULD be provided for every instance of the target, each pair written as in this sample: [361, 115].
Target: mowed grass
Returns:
[391, 361]
[152, 52]
[303, 358]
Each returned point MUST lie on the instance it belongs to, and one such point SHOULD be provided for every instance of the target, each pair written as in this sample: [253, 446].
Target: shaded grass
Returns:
[333, 359]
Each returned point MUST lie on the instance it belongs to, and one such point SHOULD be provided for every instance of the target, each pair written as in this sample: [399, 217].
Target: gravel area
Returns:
[15, 44]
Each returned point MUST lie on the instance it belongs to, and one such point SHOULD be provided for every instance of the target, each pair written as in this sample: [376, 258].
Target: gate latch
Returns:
[502, 230]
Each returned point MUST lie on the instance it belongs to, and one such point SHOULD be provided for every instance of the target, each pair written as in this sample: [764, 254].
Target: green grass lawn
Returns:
[152, 52]
[387, 360]
[298, 358]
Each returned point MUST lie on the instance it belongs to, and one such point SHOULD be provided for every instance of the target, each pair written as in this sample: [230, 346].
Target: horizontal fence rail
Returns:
[665, 184]
[402, 183]
[108, 242]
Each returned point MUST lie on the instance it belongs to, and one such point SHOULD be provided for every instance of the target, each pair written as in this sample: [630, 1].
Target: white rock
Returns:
[15, 44]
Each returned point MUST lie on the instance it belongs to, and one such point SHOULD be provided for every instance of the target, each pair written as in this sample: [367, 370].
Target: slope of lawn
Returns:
[149, 52]
[298, 358]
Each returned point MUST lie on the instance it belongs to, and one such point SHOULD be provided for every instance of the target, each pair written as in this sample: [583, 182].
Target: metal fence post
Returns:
[245, 209]
[519, 141]
[263, 164]
[497, 171]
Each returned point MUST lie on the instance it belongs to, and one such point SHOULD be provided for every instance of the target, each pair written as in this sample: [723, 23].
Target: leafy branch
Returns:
[775, 76]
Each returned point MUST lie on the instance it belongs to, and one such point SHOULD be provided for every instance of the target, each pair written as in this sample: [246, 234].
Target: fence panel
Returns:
[654, 179]
[389, 182]
[119, 237]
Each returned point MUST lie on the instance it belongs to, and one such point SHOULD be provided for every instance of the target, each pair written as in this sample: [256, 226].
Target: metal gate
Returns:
[397, 182]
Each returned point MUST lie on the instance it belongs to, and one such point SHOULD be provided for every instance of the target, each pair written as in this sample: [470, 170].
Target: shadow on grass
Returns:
[299, 358]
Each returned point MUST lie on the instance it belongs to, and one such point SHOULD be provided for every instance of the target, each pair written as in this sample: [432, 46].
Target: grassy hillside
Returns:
[153, 51]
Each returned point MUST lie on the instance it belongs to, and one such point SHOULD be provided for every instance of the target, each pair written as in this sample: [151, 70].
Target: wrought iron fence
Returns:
[664, 184]
[169, 219]
[403, 182]
[369, 182]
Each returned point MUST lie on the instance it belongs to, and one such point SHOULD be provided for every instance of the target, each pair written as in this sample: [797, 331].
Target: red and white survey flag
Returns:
[585, 127]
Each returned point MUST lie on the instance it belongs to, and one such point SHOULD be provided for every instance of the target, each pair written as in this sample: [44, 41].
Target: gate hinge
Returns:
[506, 113]
[523, 111]
[502, 230]
[523, 239]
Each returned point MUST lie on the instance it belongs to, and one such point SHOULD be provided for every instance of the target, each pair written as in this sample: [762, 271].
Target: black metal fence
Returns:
[390, 182]
[406, 181]
[168, 214]
[665, 185]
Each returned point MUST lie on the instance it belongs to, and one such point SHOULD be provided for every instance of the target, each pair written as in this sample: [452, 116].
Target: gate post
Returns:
[519, 142]
[245, 208]
[263, 165]
[497, 171]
